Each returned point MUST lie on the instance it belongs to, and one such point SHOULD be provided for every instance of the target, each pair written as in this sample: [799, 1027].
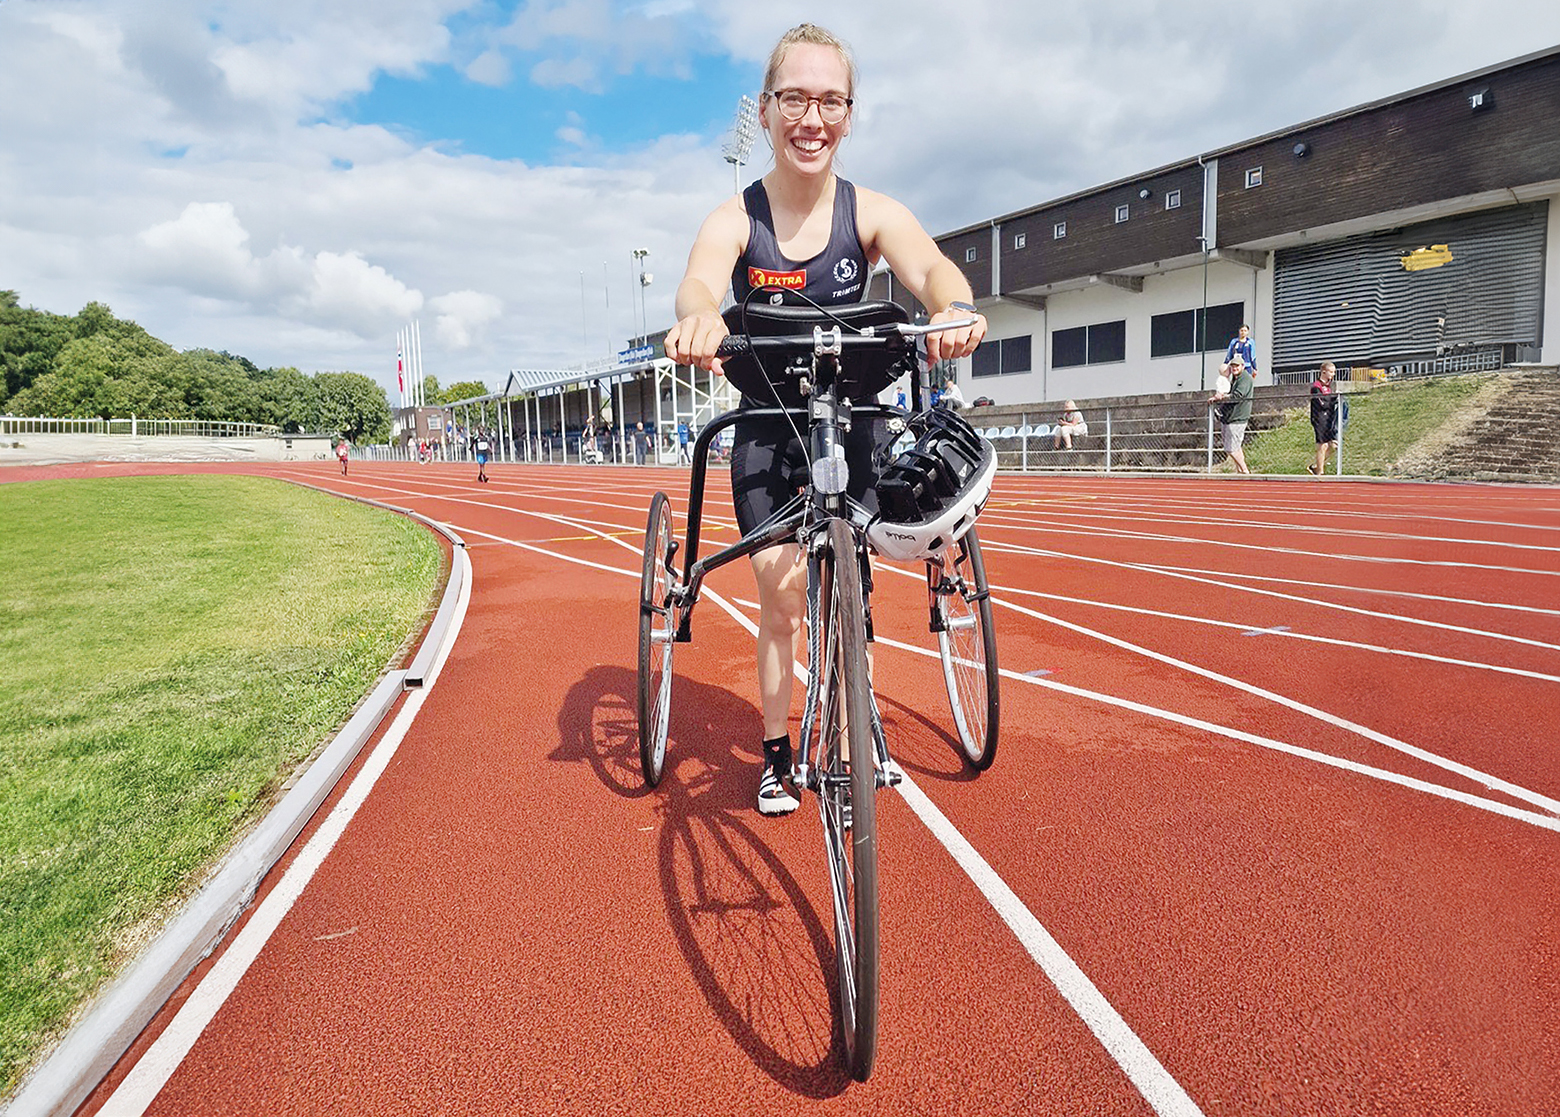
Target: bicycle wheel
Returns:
[844, 726]
[967, 642]
[657, 627]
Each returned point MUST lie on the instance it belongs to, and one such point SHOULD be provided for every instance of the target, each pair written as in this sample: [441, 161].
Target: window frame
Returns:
[1253, 177]
[1123, 213]
[1019, 241]
[1059, 231]
[971, 254]
[1173, 199]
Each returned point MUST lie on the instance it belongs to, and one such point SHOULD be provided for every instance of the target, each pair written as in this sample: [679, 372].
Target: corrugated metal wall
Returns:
[1353, 300]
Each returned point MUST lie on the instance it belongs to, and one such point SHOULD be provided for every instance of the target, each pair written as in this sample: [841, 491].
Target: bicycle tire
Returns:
[657, 628]
[967, 644]
[852, 852]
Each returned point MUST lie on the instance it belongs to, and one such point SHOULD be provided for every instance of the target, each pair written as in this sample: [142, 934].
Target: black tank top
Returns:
[836, 275]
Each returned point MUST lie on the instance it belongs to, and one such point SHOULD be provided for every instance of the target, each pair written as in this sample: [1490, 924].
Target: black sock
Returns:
[777, 753]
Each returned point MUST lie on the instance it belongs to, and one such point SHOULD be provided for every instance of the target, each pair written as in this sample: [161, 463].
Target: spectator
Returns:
[1241, 346]
[1236, 410]
[683, 437]
[641, 443]
[1325, 403]
[952, 398]
[1071, 423]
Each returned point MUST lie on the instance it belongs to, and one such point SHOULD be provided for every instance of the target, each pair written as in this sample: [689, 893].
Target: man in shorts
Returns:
[1236, 412]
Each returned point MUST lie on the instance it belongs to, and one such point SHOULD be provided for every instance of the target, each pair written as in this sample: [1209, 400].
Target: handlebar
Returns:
[822, 342]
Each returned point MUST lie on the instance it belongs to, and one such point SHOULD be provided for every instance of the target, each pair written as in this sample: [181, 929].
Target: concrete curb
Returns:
[58, 1085]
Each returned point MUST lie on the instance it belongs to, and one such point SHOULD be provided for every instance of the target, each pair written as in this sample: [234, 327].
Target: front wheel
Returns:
[657, 631]
[845, 756]
[967, 643]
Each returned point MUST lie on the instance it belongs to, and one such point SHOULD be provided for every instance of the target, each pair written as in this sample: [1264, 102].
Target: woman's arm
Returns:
[890, 231]
[700, 328]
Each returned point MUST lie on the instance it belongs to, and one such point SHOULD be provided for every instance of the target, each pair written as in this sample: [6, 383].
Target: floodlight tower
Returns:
[639, 255]
[744, 130]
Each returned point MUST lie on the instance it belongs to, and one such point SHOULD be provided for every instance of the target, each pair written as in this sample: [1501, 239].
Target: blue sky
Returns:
[297, 180]
[523, 121]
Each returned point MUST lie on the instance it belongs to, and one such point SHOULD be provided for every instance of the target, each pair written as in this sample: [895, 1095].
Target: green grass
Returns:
[1383, 423]
[171, 648]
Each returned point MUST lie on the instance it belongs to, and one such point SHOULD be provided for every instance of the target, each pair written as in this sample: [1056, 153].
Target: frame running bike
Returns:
[844, 754]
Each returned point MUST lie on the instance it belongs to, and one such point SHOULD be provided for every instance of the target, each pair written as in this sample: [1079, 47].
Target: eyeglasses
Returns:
[794, 105]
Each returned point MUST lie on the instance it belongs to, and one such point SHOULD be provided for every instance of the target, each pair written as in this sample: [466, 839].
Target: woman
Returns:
[1071, 423]
[1324, 416]
[824, 235]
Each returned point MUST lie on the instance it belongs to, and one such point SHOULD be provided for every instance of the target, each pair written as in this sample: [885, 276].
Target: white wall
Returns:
[1139, 373]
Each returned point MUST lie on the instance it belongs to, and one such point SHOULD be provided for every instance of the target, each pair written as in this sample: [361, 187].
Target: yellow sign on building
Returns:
[1421, 259]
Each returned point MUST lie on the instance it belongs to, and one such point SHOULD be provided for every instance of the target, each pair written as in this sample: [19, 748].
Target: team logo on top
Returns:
[762, 277]
[845, 270]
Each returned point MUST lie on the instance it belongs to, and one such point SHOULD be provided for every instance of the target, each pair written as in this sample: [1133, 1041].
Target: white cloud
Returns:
[462, 314]
[187, 161]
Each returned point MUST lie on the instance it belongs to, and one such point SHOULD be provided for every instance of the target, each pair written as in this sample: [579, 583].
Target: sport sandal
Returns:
[774, 795]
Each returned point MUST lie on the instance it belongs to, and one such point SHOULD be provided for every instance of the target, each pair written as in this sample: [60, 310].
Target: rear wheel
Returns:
[657, 629]
[848, 786]
[961, 617]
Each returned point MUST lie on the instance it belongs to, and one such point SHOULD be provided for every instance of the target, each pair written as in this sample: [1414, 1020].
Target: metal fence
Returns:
[134, 427]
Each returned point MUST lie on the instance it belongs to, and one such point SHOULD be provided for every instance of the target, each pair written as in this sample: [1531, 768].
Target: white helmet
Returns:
[929, 496]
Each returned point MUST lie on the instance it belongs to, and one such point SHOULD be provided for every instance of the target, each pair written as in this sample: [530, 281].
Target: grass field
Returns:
[171, 649]
[1384, 423]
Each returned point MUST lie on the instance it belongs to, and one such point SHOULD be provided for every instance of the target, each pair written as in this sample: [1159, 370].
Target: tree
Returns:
[431, 389]
[350, 403]
[466, 389]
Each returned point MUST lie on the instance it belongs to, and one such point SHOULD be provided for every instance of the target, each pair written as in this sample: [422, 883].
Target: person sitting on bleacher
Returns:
[1070, 423]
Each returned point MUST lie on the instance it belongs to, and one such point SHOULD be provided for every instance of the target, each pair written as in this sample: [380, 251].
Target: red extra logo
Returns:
[758, 277]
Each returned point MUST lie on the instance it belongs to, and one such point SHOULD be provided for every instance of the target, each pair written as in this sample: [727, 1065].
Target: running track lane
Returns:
[510, 923]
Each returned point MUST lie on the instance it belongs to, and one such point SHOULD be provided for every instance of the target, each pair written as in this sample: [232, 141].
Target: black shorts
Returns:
[769, 466]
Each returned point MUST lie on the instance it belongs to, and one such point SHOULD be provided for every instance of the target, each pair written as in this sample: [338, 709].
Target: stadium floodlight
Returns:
[738, 145]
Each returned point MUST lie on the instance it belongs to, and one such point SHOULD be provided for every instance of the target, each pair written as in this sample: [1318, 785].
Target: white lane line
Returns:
[1173, 572]
[1156, 1084]
[1196, 541]
[1440, 791]
[153, 1070]
[1348, 587]
[1494, 783]
[1092, 512]
[1284, 631]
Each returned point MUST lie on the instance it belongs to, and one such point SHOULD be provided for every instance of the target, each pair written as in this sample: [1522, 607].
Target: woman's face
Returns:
[807, 146]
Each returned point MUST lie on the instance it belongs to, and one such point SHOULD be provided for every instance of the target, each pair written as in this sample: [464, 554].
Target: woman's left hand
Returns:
[961, 342]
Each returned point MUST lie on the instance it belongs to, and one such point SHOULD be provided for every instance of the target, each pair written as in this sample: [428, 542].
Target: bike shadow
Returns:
[749, 934]
[921, 746]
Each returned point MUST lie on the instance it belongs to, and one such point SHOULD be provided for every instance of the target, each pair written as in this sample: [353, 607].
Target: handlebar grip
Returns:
[734, 345]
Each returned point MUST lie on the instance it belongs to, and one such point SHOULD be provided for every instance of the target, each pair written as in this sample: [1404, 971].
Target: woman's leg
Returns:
[782, 598]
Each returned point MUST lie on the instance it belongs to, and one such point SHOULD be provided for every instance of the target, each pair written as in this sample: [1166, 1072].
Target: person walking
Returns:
[483, 447]
[1236, 410]
[641, 443]
[343, 448]
[1325, 405]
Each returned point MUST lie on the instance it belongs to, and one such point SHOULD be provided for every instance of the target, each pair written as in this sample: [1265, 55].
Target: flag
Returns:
[400, 378]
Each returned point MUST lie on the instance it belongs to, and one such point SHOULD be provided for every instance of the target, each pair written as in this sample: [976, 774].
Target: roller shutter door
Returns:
[1353, 299]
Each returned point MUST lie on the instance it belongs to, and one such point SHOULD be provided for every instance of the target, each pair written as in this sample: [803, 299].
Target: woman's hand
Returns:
[694, 340]
[949, 344]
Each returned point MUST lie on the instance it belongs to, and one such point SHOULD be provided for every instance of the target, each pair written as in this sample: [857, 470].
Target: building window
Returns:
[1122, 213]
[1002, 358]
[1019, 241]
[1173, 200]
[1100, 344]
[1059, 230]
[969, 255]
[1180, 332]
[1253, 177]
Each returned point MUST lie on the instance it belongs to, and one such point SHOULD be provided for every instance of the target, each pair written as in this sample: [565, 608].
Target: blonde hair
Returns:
[808, 33]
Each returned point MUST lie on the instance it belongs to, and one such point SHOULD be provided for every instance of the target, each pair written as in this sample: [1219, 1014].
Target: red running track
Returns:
[1277, 776]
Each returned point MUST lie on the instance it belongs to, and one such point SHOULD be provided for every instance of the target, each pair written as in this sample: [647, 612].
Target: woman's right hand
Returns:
[695, 339]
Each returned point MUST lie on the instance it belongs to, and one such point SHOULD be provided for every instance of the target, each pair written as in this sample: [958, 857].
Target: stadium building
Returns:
[1413, 234]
